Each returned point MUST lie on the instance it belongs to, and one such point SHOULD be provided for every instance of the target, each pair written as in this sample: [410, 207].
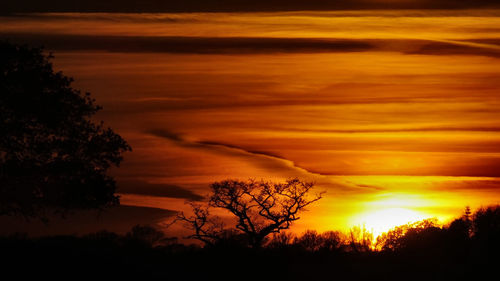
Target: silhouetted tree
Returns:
[412, 235]
[52, 154]
[331, 241]
[360, 239]
[310, 241]
[459, 233]
[281, 240]
[486, 231]
[148, 235]
[260, 208]
[206, 228]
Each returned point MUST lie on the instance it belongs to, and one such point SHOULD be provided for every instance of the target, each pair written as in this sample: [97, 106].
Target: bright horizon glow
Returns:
[388, 211]
[382, 221]
[383, 212]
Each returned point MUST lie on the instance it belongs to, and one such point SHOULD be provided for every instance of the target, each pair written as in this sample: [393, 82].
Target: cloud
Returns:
[475, 184]
[167, 135]
[253, 45]
[160, 190]
[190, 45]
[457, 48]
[370, 186]
[233, 5]
[397, 130]
[108, 17]
[117, 219]
[263, 159]
[257, 152]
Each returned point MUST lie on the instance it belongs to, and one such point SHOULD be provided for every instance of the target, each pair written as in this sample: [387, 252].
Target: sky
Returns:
[393, 113]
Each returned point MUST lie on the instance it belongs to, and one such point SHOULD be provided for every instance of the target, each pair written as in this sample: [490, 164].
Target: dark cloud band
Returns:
[233, 5]
[160, 190]
[251, 45]
[196, 45]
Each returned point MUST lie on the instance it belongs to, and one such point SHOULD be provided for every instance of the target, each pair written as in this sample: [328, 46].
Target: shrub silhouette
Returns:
[52, 155]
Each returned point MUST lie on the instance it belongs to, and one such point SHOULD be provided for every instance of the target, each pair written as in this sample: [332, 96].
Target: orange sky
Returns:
[390, 113]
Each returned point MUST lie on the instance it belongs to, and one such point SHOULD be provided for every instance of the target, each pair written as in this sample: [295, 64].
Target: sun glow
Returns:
[382, 215]
[382, 221]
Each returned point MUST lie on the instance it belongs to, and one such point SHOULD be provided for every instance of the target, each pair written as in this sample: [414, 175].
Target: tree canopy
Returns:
[53, 156]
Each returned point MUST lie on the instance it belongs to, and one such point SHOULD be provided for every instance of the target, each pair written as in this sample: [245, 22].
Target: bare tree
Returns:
[260, 208]
[360, 239]
[281, 240]
[208, 229]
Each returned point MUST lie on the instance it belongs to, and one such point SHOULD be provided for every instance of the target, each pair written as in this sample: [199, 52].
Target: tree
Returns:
[486, 231]
[260, 208]
[281, 240]
[208, 229]
[312, 241]
[360, 239]
[417, 235]
[148, 236]
[53, 156]
[460, 229]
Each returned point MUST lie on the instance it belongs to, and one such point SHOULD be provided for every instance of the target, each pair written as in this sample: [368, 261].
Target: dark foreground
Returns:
[467, 249]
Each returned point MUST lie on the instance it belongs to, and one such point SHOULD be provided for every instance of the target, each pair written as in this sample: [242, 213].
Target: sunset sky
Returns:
[394, 113]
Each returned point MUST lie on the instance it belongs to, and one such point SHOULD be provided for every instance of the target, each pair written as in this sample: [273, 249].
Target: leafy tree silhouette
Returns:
[260, 208]
[148, 236]
[459, 233]
[312, 241]
[486, 232]
[408, 236]
[52, 155]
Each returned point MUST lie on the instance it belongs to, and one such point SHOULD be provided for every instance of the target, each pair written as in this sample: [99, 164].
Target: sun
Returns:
[381, 221]
[386, 213]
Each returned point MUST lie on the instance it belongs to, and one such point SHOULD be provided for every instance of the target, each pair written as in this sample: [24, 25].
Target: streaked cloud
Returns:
[191, 45]
[264, 159]
[421, 25]
[156, 189]
[253, 45]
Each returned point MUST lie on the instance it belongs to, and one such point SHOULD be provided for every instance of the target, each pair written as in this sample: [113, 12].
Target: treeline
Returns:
[467, 248]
